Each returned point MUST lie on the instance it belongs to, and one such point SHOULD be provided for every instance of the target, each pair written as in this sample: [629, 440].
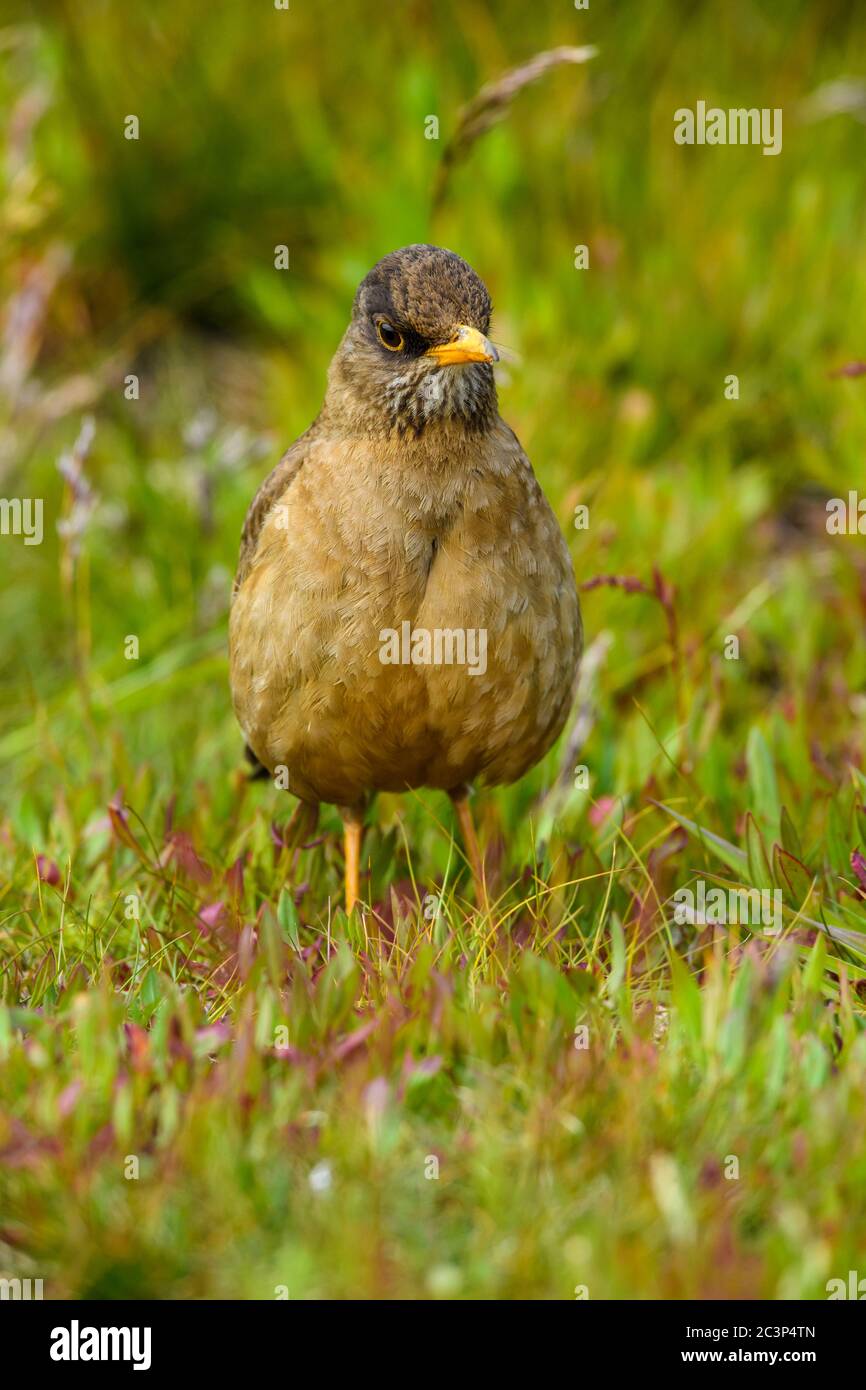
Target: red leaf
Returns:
[68, 1096]
[858, 864]
[120, 826]
[182, 850]
[425, 1066]
[851, 369]
[626, 582]
[354, 1040]
[212, 914]
[214, 1033]
[47, 869]
[601, 810]
[234, 879]
[138, 1044]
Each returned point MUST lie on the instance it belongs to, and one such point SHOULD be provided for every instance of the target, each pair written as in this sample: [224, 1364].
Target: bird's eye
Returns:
[389, 336]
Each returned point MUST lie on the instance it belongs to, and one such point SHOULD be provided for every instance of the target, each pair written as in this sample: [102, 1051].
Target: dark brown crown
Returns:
[427, 290]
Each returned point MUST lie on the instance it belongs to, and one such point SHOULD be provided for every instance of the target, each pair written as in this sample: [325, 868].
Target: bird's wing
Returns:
[271, 490]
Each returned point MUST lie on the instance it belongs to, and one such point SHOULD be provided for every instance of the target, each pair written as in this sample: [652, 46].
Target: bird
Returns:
[404, 612]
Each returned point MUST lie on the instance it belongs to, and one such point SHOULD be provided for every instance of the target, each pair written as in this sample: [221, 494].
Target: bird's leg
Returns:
[353, 831]
[460, 798]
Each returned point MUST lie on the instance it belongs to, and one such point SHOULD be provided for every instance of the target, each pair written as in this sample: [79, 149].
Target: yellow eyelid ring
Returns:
[385, 330]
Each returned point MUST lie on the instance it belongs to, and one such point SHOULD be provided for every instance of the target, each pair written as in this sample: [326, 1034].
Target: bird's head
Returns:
[416, 350]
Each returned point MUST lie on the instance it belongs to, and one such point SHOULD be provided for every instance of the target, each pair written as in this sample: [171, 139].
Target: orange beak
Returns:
[467, 345]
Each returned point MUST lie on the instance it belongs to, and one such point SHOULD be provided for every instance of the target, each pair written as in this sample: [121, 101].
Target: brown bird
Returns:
[404, 612]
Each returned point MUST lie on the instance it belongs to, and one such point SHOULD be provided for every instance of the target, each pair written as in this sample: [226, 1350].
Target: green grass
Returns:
[616, 1100]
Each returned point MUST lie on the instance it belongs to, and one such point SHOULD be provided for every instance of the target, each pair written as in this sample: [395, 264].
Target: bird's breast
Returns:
[401, 629]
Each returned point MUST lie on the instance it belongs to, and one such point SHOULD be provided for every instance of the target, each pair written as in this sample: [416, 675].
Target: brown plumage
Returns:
[408, 501]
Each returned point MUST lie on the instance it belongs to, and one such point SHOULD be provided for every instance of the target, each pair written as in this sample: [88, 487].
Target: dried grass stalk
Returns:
[491, 105]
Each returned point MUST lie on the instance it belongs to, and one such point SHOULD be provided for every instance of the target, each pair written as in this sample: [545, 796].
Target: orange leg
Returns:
[353, 831]
[460, 798]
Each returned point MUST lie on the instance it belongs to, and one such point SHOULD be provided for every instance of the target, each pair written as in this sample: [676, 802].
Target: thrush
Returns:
[405, 612]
